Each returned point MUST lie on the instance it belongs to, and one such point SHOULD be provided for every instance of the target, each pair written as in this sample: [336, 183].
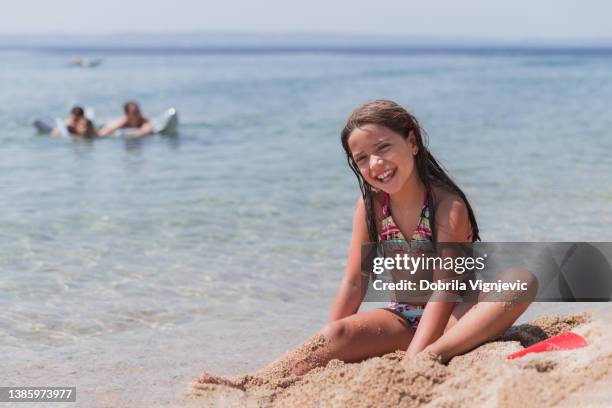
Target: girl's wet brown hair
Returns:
[393, 116]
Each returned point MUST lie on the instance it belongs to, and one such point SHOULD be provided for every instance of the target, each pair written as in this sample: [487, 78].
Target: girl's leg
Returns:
[354, 338]
[471, 325]
[357, 337]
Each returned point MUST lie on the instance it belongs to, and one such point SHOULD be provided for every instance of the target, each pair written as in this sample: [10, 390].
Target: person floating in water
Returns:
[134, 119]
[84, 63]
[77, 124]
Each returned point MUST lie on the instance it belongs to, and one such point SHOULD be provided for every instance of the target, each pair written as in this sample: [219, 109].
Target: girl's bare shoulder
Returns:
[445, 198]
[452, 216]
[449, 204]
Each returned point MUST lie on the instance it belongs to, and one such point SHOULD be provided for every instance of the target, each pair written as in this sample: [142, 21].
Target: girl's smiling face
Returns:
[384, 158]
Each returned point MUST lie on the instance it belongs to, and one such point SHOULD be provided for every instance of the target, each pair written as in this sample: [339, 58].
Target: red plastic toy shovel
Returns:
[563, 341]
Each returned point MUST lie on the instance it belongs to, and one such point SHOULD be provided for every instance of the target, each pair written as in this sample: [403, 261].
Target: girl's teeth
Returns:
[385, 175]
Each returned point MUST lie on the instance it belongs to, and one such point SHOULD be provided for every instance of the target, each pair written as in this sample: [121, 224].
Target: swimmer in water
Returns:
[77, 124]
[133, 119]
[85, 128]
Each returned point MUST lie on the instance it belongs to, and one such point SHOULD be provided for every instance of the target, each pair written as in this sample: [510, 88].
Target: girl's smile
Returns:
[386, 175]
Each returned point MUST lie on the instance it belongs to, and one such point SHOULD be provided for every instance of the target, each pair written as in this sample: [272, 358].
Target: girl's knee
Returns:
[526, 292]
[335, 331]
[528, 279]
[522, 274]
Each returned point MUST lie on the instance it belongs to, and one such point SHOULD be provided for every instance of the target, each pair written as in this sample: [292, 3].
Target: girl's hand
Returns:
[426, 354]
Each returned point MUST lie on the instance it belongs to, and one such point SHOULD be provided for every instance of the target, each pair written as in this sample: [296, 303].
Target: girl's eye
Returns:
[360, 159]
[383, 147]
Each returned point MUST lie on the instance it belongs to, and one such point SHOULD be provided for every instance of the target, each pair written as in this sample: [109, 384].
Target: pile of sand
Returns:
[482, 377]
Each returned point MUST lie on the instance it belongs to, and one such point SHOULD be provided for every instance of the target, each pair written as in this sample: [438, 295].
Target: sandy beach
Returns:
[482, 377]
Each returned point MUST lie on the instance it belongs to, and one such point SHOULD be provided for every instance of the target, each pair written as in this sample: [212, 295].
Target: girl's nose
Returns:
[375, 161]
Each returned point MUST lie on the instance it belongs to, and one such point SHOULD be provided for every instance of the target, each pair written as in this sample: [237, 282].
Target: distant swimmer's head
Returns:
[131, 108]
[85, 127]
[77, 112]
[135, 118]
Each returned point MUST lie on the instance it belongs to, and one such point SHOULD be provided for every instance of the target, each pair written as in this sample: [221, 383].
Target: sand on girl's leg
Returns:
[280, 373]
[297, 362]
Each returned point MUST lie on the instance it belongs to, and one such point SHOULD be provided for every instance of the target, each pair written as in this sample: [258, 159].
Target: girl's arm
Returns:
[452, 225]
[353, 287]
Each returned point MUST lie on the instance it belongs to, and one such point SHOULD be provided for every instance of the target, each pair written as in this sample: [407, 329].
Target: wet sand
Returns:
[482, 377]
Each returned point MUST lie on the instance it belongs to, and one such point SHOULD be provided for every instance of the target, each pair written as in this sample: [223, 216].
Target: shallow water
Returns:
[239, 225]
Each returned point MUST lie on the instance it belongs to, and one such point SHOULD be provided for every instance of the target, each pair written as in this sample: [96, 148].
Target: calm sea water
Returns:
[221, 246]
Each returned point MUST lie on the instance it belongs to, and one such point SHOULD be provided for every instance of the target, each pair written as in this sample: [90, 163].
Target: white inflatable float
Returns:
[166, 124]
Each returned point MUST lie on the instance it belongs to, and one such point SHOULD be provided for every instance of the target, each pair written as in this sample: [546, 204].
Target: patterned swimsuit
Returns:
[390, 232]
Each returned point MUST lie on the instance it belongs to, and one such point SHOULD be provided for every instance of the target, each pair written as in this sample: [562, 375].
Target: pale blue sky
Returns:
[516, 19]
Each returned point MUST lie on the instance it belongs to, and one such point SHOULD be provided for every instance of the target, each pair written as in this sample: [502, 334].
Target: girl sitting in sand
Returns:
[406, 195]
